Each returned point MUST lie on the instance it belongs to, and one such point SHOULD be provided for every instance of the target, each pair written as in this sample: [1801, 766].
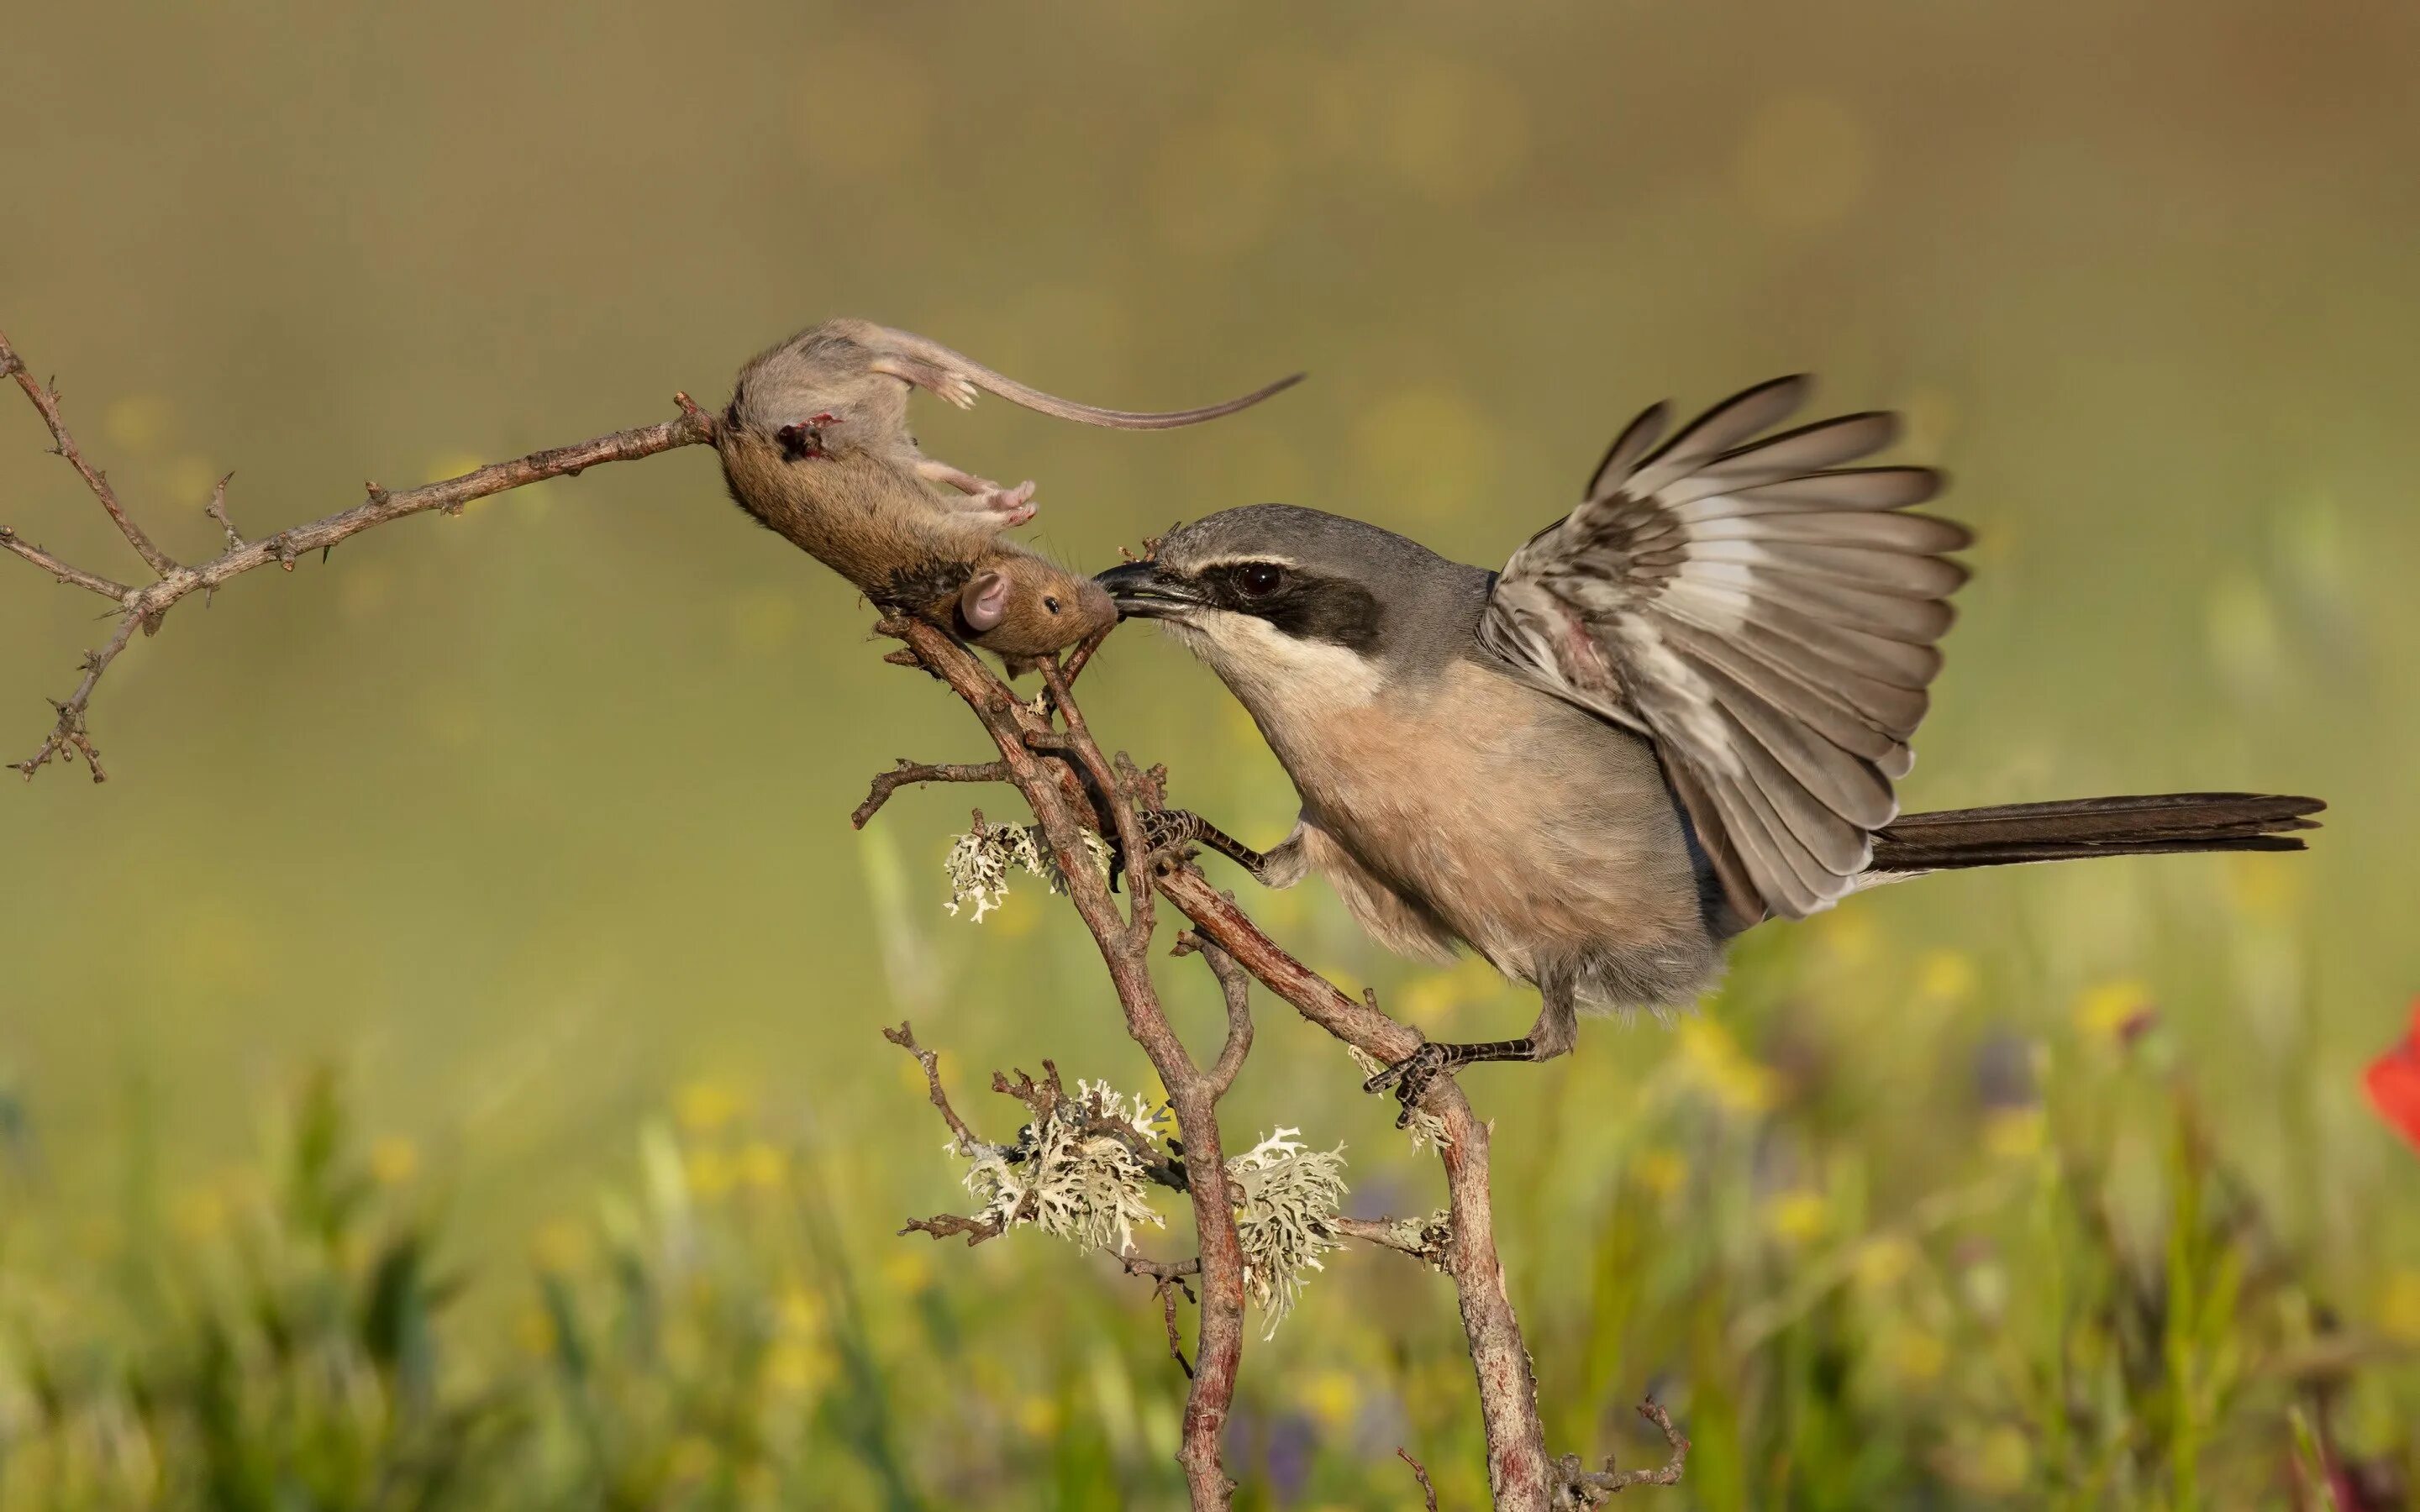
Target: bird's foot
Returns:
[1167, 835]
[1412, 1076]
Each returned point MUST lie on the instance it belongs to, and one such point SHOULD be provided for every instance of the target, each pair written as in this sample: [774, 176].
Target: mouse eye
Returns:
[1259, 579]
[1050, 603]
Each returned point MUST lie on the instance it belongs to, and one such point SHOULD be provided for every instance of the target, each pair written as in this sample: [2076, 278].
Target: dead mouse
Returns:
[814, 444]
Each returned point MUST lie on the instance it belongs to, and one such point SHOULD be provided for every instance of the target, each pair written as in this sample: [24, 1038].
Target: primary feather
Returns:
[1765, 614]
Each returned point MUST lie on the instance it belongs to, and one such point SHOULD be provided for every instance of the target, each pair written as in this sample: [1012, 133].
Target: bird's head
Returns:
[1289, 604]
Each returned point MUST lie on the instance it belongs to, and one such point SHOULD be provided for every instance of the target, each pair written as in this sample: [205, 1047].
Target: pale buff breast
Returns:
[1529, 830]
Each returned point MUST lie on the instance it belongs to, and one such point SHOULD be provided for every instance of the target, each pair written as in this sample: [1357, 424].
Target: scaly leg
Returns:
[1013, 506]
[1169, 830]
[1557, 1030]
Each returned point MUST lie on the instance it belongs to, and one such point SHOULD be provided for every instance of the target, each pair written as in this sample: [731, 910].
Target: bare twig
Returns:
[1235, 986]
[1424, 1241]
[148, 605]
[217, 510]
[1119, 797]
[908, 773]
[1167, 1291]
[905, 1038]
[1420, 1474]
[46, 399]
[950, 1225]
[1166, 1279]
[1589, 1487]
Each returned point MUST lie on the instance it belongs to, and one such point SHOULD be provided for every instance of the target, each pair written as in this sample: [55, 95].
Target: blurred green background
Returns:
[440, 1067]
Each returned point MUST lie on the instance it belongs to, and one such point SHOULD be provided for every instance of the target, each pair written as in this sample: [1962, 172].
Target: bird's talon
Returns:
[1414, 1071]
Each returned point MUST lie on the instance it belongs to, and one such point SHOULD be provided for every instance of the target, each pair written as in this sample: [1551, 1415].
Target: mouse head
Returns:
[1019, 605]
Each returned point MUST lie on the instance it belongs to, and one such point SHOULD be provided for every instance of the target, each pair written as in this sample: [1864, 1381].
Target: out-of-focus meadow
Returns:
[440, 1068]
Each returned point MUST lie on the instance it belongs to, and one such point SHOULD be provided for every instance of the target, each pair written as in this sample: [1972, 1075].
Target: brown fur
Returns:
[887, 531]
[913, 534]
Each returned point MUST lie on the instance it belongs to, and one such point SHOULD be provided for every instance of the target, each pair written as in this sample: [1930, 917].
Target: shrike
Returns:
[1677, 712]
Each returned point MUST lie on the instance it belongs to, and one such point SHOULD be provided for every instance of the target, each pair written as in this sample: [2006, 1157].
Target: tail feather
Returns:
[2147, 824]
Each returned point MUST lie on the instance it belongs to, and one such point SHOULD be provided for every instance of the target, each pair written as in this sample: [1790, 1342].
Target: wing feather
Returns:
[1763, 611]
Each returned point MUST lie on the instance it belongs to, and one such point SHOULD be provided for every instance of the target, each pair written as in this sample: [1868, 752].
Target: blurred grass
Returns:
[2077, 1302]
[524, 822]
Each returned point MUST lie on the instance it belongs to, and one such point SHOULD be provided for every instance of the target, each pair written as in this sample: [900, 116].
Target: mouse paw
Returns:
[1012, 506]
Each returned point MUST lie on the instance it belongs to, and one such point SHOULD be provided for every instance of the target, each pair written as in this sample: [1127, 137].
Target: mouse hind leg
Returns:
[1009, 506]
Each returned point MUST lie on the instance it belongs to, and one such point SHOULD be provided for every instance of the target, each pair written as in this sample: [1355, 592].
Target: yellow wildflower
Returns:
[1039, 1416]
[1798, 1216]
[1333, 1396]
[702, 1106]
[1915, 1356]
[2013, 1134]
[1884, 1261]
[802, 1311]
[559, 1246]
[1946, 975]
[534, 1331]
[394, 1161]
[762, 1166]
[2108, 1011]
[1720, 1068]
[693, 1457]
[2398, 1307]
[906, 1271]
[711, 1173]
[1661, 1170]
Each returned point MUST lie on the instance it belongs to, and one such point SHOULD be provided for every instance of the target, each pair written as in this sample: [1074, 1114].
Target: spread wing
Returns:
[1762, 612]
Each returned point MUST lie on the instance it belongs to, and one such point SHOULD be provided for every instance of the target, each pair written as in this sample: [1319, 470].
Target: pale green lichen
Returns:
[1286, 1200]
[1068, 1176]
[979, 863]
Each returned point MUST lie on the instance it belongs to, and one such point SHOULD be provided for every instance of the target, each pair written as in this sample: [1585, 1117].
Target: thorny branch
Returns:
[171, 581]
[1047, 753]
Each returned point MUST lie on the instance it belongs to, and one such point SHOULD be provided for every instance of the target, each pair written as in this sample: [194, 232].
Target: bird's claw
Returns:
[1410, 1078]
[1166, 833]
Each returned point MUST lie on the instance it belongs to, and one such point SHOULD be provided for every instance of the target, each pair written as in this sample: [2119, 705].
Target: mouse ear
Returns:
[928, 364]
[983, 603]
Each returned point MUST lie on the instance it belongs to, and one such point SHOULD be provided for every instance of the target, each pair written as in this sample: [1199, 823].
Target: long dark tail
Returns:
[2151, 825]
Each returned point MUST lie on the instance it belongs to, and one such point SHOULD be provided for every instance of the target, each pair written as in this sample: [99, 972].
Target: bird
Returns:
[1678, 712]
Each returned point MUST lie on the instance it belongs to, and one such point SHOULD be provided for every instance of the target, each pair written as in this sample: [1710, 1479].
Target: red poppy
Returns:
[2393, 1082]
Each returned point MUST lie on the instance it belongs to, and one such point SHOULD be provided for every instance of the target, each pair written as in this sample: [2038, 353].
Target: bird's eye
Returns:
[1259, 578]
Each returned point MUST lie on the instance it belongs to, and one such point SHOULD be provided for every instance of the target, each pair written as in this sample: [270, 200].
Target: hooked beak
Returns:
[1142, 591]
